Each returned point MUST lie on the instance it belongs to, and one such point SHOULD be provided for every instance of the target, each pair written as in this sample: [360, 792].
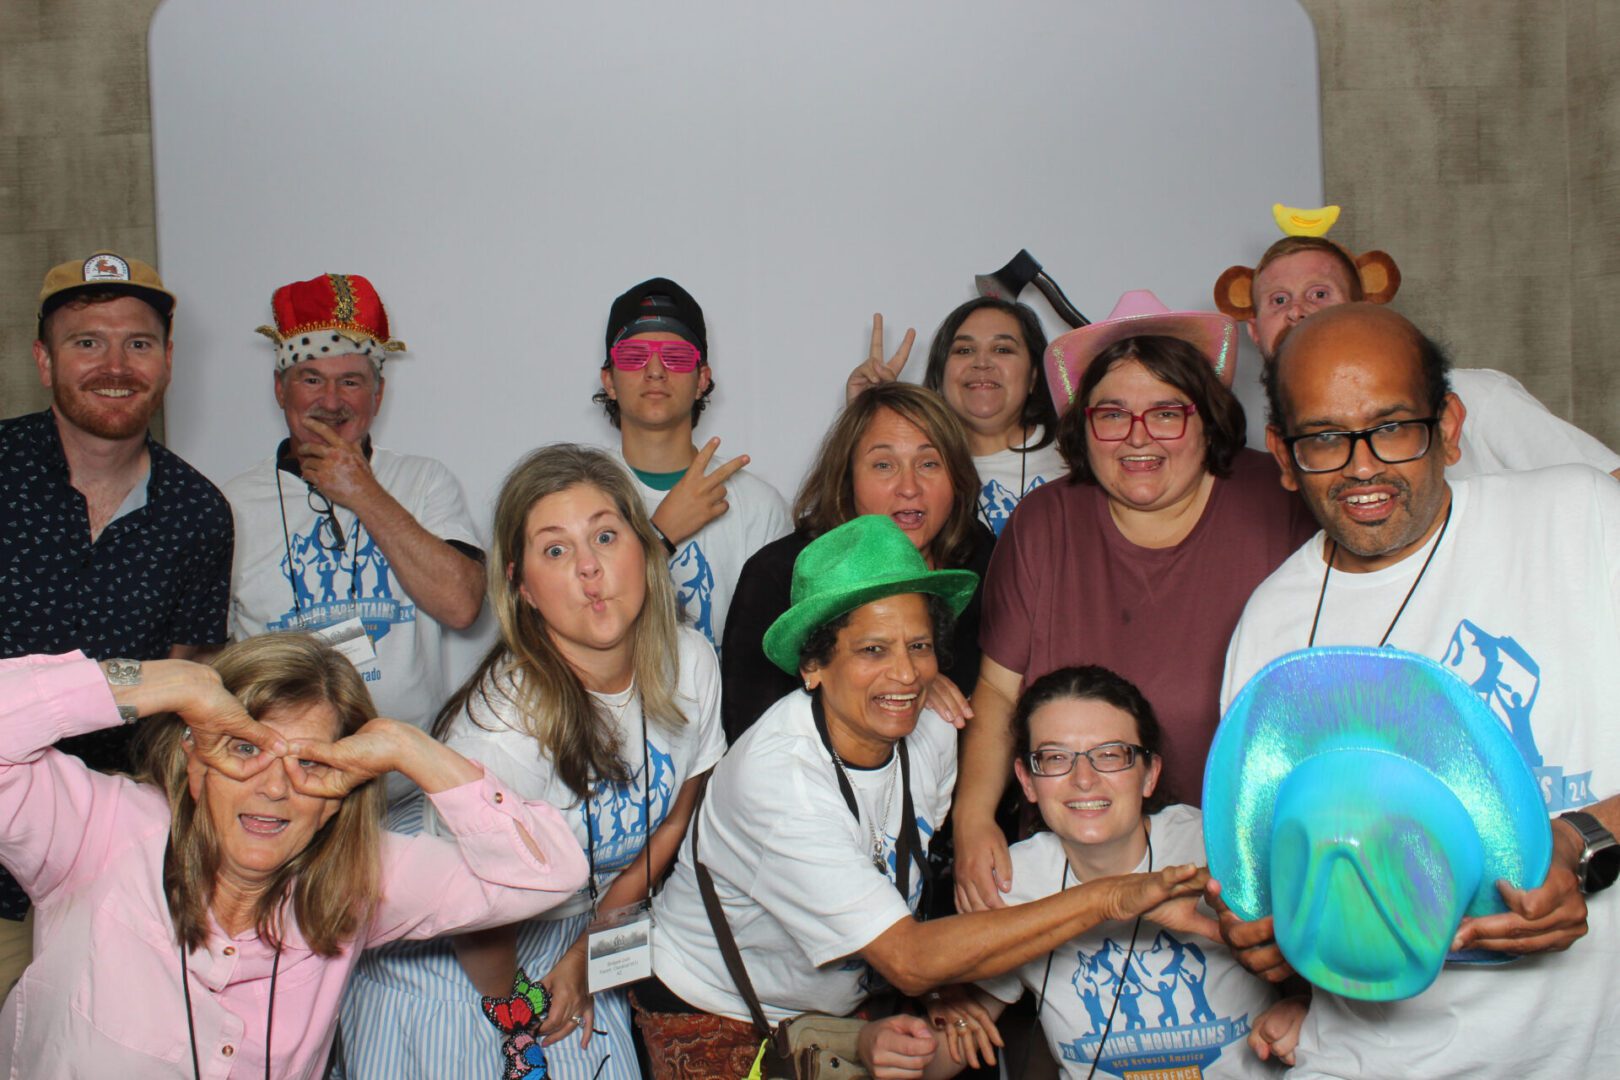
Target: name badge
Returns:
[349, 637]
[620, 947]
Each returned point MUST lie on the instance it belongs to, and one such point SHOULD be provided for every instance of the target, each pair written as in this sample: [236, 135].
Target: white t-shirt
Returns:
[292, 580]
[1521, 603]
[614, 829]
[794, 870]
[1185, 1006]
[706, 567]
[1509, 430]
[1006, 476]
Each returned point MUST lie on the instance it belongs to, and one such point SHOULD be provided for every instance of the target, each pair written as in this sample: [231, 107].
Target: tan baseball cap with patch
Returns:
[104, 272]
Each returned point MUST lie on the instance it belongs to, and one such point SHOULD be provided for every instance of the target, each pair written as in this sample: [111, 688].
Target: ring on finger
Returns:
[577, 1020]
[961, 1023]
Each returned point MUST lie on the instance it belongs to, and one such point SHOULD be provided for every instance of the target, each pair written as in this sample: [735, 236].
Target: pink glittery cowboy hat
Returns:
[1138, 313]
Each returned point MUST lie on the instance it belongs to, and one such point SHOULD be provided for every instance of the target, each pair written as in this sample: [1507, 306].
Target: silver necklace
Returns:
[618, 702]
[872, 832]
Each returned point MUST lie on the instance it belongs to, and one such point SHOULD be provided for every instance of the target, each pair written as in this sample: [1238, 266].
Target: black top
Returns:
[156, 577]
[750, 683]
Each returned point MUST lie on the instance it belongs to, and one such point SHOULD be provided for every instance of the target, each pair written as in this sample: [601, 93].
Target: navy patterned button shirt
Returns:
[159, 574]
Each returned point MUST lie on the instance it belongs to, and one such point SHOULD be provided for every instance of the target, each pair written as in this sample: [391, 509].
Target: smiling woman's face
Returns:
[988, 372]
[262, 822]
[874, 683]
[1139, 471]
[1086, 807]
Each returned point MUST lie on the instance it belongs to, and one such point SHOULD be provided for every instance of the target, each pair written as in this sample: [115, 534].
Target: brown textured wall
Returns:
[1594, 220]
[1478, 141]
[75, 156]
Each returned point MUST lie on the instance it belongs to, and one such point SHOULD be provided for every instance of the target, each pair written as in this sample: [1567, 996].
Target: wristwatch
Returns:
[124, 673]
[1600, 859]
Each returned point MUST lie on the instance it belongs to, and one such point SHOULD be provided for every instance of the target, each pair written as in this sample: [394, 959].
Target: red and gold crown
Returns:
[330, 315]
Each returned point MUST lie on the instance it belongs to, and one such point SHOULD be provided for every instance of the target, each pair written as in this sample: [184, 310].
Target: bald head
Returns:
[1363, 427]
[1362, 335]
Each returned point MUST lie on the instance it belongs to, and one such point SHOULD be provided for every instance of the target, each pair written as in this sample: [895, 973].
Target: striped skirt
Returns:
[410, 1011]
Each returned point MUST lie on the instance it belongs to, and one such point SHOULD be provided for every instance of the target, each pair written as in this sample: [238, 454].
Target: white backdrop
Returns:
[502, 169]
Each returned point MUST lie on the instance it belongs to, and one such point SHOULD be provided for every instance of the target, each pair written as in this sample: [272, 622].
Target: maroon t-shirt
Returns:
[1065, 588]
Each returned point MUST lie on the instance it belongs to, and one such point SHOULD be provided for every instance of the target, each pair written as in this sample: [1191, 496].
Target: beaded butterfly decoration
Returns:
[517, 1017]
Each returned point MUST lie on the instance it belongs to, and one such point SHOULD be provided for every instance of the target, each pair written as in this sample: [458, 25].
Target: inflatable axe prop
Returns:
[1022, 271]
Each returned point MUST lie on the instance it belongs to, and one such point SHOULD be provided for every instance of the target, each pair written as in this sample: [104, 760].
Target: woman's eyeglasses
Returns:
[1110, 423]
[1105, 758]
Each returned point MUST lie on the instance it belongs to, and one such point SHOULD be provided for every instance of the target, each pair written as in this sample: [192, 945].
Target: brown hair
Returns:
[525, 667]
[1038, 412]
[1092, 683]
[826, 498]
[1170, 360]
[335, 882]
[89, 297]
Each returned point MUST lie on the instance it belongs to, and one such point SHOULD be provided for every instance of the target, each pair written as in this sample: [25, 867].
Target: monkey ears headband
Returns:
[1306, 230]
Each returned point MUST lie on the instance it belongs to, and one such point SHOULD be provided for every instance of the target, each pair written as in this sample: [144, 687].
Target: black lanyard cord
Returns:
[646, 813]
[286, 540]
[1333, 552]
[1040, 996]
[269, 1013]
[908, 841]
[1124, 967]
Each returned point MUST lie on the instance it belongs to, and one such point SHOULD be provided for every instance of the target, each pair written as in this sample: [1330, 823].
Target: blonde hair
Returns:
[525, 666]
[335, 882]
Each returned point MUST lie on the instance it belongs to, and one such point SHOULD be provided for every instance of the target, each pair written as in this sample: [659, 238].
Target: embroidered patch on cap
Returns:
[105, 268]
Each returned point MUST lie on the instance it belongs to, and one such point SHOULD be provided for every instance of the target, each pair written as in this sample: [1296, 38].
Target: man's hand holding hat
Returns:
[1253, 944]
[1549, 918]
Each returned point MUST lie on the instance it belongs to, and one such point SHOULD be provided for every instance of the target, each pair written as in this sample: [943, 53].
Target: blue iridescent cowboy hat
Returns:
[1368, 800]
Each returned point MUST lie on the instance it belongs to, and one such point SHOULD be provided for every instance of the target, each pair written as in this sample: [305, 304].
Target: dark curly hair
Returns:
[818, 646]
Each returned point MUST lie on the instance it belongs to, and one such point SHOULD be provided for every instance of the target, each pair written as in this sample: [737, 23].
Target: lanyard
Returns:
[286, 539]
[1333, 552]
[185, 983]
[646, 813]
[269, 1013]
[908, 843]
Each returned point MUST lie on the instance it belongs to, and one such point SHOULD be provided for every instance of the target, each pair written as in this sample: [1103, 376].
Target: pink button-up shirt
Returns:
[103, 995]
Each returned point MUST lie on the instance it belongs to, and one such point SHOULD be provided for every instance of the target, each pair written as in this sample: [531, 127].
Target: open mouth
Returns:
[113, 392]
[1368, 506]
[1140, 462]
[262, 825]
[908, 519]
[898, 704]
[1088, 805]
